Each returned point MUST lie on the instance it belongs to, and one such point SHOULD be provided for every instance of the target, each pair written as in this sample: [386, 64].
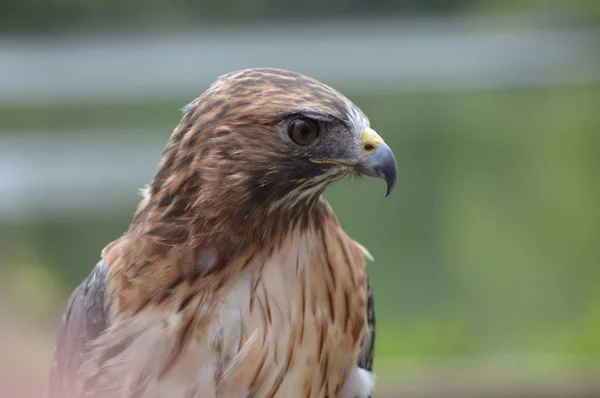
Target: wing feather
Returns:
[368, 350]
[83, 320]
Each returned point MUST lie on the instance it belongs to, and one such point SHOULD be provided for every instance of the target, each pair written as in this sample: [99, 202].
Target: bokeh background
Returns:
[487, 271]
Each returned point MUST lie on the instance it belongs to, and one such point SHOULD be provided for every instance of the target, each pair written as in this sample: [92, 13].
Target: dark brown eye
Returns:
[303, 131]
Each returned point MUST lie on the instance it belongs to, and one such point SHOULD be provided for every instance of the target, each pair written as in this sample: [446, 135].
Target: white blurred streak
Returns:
[62, 175]
[358, 56]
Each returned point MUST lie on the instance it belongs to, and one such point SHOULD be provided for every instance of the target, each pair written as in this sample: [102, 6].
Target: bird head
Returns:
[256, 150]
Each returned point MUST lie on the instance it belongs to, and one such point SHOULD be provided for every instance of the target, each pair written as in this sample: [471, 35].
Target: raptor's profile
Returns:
[235, 278]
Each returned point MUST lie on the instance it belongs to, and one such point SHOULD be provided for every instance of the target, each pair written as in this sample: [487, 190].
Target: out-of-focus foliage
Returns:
[31, 15]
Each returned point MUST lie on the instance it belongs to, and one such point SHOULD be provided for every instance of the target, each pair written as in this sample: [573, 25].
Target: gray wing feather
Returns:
[83, 320]
[368, 350]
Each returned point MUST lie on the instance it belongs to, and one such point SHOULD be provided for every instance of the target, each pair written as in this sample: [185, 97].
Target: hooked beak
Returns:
[378, 160]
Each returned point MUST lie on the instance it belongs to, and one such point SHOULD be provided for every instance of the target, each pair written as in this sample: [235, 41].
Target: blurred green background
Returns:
[487, 271]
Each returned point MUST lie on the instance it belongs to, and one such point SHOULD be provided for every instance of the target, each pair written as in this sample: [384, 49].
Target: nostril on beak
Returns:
[369, 148]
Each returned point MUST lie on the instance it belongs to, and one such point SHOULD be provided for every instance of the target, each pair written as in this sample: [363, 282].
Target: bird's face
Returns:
[268, 139]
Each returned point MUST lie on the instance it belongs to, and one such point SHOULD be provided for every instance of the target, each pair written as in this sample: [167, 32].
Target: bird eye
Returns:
[303, 131]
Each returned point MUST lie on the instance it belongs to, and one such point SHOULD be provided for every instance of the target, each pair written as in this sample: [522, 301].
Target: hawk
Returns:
[235, 278]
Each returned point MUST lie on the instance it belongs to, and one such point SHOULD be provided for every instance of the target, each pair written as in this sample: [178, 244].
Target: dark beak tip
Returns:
[388, 170]
[389, 189]
[390, 180]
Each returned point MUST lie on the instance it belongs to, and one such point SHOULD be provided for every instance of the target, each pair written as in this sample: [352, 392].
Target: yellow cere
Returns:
[371, 141]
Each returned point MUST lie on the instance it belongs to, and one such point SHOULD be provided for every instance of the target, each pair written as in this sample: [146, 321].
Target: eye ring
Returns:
[303, 131]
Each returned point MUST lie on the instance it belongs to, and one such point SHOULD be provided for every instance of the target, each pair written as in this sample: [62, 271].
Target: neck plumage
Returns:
[167, 249]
